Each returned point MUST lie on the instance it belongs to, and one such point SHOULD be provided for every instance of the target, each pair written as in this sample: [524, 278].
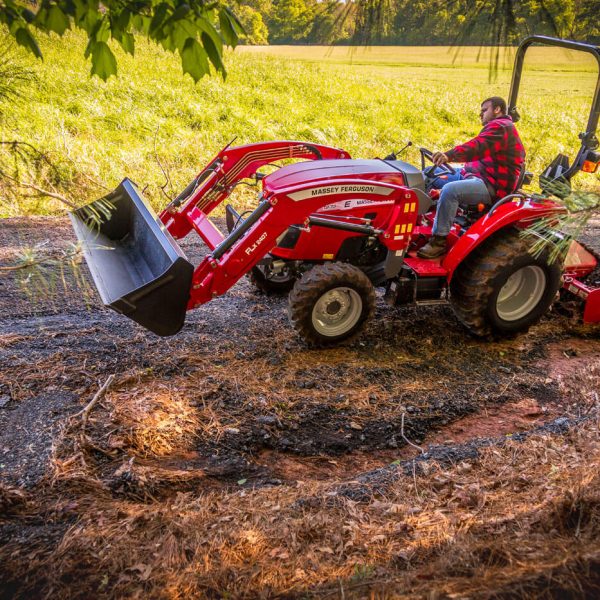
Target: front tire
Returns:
[502, 289]
[331, 303]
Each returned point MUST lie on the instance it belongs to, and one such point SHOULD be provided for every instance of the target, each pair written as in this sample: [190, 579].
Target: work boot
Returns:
[435, 247]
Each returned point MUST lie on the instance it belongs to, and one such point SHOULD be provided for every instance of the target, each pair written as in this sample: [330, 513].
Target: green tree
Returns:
[256, 32]
[333, 22]
[586, 23]
[194, 29]
[263, 7]
[290, 20]
[13, 71]
[487, 22]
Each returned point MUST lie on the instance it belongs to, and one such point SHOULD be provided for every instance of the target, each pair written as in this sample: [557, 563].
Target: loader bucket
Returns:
[138, 268]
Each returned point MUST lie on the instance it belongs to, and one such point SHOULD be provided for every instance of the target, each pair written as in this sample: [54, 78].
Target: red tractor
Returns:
[330, 231]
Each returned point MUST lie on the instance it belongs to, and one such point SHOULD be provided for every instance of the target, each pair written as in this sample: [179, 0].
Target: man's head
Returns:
[492, 108]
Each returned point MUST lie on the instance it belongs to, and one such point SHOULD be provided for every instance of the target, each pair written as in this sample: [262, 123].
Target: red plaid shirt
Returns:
[496, 156]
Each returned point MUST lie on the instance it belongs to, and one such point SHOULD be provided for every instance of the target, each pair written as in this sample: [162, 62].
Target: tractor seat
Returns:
[525, 178]
[471, 213]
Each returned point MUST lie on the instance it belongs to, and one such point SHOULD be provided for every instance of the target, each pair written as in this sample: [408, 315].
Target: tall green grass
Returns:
[368, 101]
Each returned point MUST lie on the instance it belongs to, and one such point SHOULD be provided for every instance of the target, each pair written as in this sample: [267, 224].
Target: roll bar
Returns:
[588, 138]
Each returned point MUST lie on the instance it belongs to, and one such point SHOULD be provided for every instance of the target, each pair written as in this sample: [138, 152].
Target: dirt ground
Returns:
[234, 414]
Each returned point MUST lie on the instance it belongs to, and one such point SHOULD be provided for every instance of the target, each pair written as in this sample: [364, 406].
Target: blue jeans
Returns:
[466, 192]
[442, 180]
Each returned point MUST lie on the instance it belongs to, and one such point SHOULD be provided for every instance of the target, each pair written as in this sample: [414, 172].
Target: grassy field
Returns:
[368, 101]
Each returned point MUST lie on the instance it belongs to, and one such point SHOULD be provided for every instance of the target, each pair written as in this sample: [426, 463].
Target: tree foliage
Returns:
[197, 30]
[194, 29]
[13, 71]
[424, 22]
[255, 30]
[489, 22]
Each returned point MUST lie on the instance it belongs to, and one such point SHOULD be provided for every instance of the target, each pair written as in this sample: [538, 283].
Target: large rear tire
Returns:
[502, 289]
[331, 303]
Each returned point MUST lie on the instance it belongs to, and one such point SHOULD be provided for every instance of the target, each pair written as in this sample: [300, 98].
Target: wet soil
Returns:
[259, 408]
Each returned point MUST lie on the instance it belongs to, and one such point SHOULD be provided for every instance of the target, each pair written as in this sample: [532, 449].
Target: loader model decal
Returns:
[250, 249]
[341, 189]
[350, 204]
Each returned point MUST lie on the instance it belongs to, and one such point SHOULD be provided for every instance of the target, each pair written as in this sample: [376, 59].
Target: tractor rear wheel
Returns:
[271, 283]
[502, 289]
[330, 303]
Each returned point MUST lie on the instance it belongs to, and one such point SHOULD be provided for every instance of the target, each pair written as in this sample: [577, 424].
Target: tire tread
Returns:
[472, 284]
[311, 286]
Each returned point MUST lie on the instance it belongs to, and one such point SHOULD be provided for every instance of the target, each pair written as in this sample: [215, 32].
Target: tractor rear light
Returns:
[591, 160]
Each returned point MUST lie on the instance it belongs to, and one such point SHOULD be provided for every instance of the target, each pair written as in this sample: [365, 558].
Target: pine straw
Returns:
[156, 423]
[222, 397]
[252, 377]
[524, 517]
[114, 451]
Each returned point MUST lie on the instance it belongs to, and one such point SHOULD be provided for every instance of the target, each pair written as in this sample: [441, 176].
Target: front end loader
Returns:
[329, 230]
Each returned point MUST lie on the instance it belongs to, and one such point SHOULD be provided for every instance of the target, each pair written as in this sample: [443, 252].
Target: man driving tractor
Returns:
[493, 163]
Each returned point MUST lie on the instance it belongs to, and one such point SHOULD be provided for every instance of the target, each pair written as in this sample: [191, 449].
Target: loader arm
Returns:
[214, 183]
[138, 267]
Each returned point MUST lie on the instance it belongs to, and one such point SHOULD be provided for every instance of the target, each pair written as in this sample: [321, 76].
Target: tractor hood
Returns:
[326, 171]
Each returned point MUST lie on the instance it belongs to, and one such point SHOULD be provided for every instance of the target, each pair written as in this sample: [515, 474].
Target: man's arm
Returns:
[473, 149]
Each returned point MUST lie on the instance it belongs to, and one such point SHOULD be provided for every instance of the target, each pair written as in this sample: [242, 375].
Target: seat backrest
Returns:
[524, 178]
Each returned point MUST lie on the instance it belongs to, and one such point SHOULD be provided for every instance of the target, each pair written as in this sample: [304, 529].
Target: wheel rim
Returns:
[282, 276]
[521, 293]
[337, 311]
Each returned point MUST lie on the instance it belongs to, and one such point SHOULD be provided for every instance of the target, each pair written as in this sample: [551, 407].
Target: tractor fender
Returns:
[521, 214]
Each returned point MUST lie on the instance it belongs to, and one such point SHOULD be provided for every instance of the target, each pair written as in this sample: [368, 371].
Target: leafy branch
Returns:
[25, 155]
[194, 29]
[40, 190]
[48, 276]
[30, 258]
[557, 232]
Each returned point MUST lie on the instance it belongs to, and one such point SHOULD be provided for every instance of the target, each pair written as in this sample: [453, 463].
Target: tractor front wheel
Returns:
[502, 289]
[330, 303]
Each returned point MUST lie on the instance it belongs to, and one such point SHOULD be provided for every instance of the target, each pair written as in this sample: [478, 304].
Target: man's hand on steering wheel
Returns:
[439, 159]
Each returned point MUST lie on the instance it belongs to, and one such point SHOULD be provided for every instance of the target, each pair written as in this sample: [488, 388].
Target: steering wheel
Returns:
[430, 172]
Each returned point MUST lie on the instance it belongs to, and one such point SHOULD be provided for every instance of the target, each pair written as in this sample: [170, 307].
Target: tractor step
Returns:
[431, 302]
